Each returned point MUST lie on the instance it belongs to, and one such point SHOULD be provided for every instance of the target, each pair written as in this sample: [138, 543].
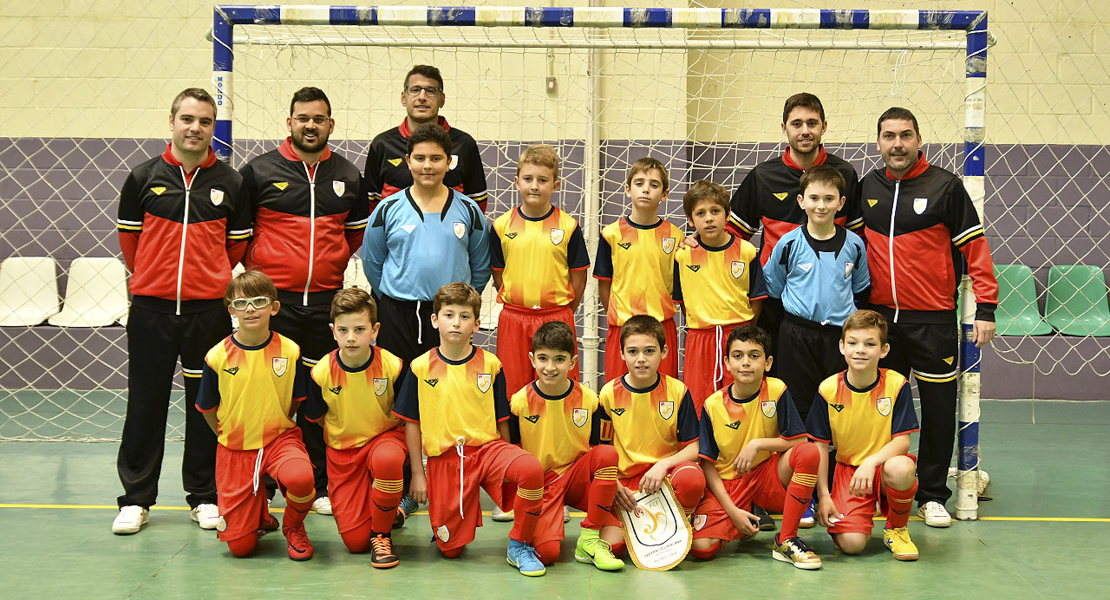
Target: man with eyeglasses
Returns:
[387, 173]
[308, 220]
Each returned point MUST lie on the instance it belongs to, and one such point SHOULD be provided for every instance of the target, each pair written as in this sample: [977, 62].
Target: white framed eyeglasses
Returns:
[258, 302]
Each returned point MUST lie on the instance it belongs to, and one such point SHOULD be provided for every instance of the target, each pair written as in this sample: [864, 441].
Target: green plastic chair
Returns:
[1017, 312]
[1076, 303]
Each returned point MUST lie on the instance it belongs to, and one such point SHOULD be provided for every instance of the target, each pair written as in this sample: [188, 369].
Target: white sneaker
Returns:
[566, 515]
[934, 514]
[322, 505]
[501, 516]
[130, 520]
[206, 515]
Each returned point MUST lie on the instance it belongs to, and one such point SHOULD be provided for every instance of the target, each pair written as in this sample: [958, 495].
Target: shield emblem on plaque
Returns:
[657, 532]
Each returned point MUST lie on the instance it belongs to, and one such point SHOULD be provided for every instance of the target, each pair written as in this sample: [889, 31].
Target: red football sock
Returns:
[527, 473]
[804, 459]
[603, 486]
[387, 466]
[708, 553]
[688, 481]
[900, 502]
[295, 478]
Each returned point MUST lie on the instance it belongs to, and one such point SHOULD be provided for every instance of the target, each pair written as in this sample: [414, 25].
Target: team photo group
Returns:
[794, 396]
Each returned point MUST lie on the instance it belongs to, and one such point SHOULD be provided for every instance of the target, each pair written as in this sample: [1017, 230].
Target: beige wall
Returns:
[107, 68]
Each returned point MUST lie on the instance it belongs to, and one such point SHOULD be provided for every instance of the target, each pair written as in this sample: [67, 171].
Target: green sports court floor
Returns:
[1043, 535]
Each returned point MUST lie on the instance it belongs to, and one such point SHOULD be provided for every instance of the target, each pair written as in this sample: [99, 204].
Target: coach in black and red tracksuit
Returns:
[182, 225]
[386, 171]
[920, 227]
[308, 220]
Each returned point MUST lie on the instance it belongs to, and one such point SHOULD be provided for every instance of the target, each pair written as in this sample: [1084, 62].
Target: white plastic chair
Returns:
[28, 290]
[354, 276]
[96, 295]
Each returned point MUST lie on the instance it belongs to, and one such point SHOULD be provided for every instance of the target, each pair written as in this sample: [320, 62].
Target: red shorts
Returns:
[350, 479]
[484, 466]
[515, 328]
[705, 368]
[859, 513]
[761, 486]
[614, 362]
[570, 488]
[241, 491]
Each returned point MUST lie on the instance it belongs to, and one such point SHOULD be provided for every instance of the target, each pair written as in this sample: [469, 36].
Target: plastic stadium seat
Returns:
[96, 295]
[28, 290]
[1076, 302]
[1017, 312]
[354, 276]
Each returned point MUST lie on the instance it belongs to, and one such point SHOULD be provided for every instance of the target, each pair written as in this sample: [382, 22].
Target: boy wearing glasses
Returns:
[249, 392]
[386, 172]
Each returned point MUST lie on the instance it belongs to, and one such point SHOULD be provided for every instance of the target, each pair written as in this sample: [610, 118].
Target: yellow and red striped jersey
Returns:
[454, 399]
[860, 422]
[252, 389]
[536, 257]
[640, 261]
[728, 424]
[647, 425]
[355, 403]
[716, 285]
[556, 430]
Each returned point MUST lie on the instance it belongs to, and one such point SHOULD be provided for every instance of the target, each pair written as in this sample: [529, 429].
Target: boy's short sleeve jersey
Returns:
[356, 404]
[728, 424]
[536, 257]
[453, 400]
[817, 280]
[717, 285]
[647, 425]
[860, 422]
[557, 431]
[252, 390]
[640, 261]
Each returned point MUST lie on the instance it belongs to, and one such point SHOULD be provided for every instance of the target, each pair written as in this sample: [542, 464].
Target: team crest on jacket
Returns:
[217, 196]
[556, 236]
[668, 245]
[454, 162]
[768, 407]
[579, 416]
[884, 405]
[280, 364]
[848, 270]
[380, 384]
[919, 205]
[737, 269]
[460, 230]
[338, 187]
[485, 380]
[666, 409]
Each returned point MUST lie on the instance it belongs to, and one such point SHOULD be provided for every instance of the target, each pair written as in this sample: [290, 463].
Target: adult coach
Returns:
[386, 171]
[918, 221]
[309, 219]
[182, 225]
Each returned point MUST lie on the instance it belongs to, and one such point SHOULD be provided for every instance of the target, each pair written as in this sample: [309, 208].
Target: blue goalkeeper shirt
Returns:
[818, 280]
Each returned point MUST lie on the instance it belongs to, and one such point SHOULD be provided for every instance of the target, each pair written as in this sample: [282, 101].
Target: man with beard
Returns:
[308, 220]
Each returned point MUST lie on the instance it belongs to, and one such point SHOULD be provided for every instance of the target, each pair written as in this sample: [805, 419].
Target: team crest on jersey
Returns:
[872, 202]
[780, 195]
[338, 187]
[485, 380]
[454, 162]
[158, 191]
[768, 407]
[579, 416]
[380, 385]
[280, 364]
[666, 409]
[919, 205]
[394, 161]
[884, 405]
[460, 230]
[281, 185]
[848, 270]
[556, 236]
[668, 245]
[443, 534]
[699, 522]
[737, 269]
[217, 196]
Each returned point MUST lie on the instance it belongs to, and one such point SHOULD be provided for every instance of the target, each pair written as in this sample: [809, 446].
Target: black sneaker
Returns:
[381, 551]
[404, 510]
[766, 523]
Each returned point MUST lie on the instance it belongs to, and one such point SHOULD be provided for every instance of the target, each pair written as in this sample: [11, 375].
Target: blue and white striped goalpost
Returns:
[974, 23]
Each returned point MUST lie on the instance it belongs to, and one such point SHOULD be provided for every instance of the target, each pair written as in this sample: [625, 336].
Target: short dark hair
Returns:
[249, 284]
[309, 94]
[194, 93]
[753, 334]
[645, 164]
[430, 132]
[897, 113]
[458, 294]
[643, 325]
[803, 100]
[822, 174]
[425, 71]
[555, 335]
[352, 301]
[705, 190]
[866, 319]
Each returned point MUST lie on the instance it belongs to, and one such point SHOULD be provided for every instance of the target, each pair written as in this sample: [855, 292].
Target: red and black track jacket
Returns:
[768, 196]
[308, 221]
[386, 172]
[914, 227]
[181, 233]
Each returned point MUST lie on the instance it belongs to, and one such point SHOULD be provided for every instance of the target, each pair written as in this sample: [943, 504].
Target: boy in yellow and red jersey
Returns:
[649, 418]
[454, 405]
[351, 394]
[560, 423]
[249, 393]
[720, 286]
[867, 412]
[753, 448]
[539, 262]
[635, 265]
